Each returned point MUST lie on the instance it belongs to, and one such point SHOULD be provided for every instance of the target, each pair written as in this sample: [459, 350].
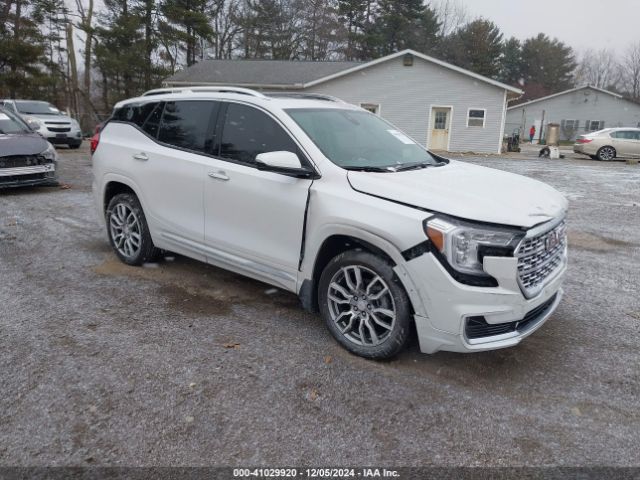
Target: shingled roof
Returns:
[276, 73]
[297, 74]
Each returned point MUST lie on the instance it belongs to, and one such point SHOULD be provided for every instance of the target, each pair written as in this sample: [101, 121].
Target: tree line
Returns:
[86, 56]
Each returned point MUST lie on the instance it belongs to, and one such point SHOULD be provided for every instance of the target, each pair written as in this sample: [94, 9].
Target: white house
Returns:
[578, 111]
[441, 106]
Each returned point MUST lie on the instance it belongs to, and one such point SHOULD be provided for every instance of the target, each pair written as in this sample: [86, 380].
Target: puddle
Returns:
[191, 286]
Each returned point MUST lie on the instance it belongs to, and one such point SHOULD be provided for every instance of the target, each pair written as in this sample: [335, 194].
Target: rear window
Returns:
[189, 124]
[626, 135]
[136, 114]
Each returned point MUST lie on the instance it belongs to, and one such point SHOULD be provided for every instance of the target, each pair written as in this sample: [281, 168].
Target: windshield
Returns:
[358, 140]
[37, 108]
[10, 124]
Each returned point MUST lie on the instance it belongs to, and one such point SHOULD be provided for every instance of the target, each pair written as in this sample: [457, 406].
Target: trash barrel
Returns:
[553, 134]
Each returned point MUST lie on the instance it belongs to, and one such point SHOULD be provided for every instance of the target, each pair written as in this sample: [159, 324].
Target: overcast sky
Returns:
[582, 24]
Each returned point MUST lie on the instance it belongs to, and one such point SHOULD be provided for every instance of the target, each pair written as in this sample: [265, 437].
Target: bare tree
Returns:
[599, 69]
[226, 26]
[631, 71]
[86, 25]
[452, 14]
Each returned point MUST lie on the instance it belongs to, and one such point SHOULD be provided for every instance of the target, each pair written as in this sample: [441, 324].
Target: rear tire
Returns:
[128, 231]
[593, 157]
[606, 153]
[364, 305]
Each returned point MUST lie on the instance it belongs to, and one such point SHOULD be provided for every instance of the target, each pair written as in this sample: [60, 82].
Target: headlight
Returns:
[75, 124]
[464, 245]
[49, 153]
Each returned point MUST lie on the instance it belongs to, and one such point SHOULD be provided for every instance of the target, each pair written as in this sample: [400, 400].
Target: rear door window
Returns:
[135, 113]
[248, 132]
[152, 122]
[189, 124]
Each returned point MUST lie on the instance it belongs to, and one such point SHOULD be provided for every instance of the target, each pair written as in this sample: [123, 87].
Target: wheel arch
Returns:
[115, 184]
[340, 241]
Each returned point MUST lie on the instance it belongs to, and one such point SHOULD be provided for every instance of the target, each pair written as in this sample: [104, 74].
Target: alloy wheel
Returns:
[125, 230]
[607, 153]
[361, 305]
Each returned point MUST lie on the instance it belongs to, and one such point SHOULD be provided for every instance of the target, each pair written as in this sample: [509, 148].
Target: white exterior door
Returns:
[254, 219]
[440, 127]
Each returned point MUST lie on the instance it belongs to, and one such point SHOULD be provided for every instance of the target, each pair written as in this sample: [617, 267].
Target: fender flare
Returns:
[306, 274]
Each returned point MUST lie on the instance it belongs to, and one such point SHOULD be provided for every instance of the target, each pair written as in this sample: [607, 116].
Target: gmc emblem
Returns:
[552, 240]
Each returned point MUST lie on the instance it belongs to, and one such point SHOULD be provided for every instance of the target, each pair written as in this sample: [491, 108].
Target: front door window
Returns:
[440, 121]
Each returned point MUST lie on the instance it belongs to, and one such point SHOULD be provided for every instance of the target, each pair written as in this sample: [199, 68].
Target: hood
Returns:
[22, 144]
[48, 118]
[467, 191]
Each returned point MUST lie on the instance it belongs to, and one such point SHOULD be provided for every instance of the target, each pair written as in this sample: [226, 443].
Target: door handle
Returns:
[140, 156]
[219, 175]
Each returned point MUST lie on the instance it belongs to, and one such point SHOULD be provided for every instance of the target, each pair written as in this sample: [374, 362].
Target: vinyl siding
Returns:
[616, 112]
[406, 95]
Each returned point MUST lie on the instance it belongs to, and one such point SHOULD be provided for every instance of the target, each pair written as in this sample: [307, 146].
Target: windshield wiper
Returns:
[370, 169]
[414, 166]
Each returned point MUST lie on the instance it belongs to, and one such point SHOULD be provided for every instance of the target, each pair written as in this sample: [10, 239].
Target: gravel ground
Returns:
[185, 364]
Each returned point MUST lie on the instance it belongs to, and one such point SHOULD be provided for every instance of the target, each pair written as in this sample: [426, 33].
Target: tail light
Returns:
[94, 142]
[584, 140]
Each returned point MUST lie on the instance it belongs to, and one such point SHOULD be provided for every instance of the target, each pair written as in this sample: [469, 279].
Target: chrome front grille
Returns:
[540, 256]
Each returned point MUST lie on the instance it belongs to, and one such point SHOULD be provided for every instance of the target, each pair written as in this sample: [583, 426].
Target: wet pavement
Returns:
[180, 363]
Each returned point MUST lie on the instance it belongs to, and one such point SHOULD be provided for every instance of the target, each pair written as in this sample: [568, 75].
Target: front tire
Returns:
[128, 230]
[364, 305]
[606, 153]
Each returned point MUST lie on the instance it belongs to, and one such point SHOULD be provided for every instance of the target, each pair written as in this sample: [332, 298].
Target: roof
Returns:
[257, 73]
[297, 74]
[536, 100]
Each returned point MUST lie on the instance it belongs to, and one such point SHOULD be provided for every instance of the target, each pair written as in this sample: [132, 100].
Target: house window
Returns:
[371, 107]
[476, 117]
[593, 125]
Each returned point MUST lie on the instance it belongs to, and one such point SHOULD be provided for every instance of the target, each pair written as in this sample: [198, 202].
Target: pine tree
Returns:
[186, 23]
[477, 47]
[511, 68]
[21, 50]
[548, 65]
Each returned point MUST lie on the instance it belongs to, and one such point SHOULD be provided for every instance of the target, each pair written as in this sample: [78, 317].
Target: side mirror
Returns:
[285, 163]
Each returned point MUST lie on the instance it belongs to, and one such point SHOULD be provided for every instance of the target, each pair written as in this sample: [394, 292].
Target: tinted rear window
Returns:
[135, 113]
[189, 124]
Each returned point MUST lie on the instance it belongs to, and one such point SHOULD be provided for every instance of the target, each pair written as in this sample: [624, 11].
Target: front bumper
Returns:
[25, 176]
[72, 137]
[444, 305]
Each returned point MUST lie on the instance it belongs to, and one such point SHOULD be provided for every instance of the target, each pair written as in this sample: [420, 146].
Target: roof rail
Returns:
[310, 96]
[217, 89]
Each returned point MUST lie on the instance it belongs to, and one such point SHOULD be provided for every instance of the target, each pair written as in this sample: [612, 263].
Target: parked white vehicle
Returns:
[331, 202]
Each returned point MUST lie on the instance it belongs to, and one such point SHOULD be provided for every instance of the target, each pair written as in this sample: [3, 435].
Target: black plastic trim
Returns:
[465, 278]
[417, 250]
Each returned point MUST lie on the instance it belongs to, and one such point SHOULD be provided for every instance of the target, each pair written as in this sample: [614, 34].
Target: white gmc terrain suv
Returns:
[331, 202]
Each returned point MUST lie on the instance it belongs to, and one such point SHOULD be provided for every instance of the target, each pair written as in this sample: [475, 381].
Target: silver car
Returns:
[609, 143]
[47, 120]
